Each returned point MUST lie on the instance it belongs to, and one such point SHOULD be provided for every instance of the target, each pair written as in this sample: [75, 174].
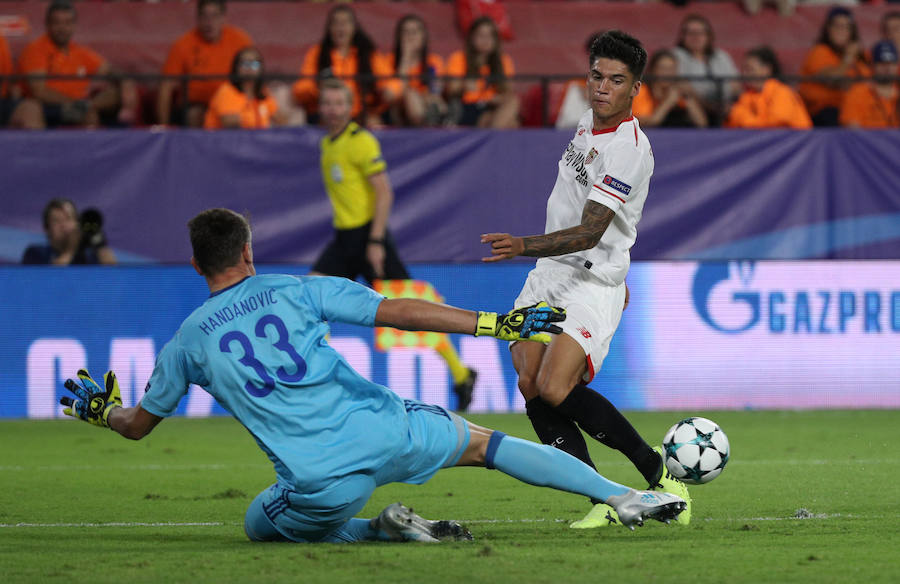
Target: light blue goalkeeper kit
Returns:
[259, 347]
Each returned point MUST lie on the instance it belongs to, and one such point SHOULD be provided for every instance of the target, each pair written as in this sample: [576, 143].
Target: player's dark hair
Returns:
[365, 52]
[218, 237]
[710, 47]
[427, 73]
[496, 73]
[825, 38]
[59, 6]
[623, 47]
[237, 80]
[219, 3]
[57, 203]
[766, 56]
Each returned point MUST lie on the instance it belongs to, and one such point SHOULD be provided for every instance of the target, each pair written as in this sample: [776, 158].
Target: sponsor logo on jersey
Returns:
[580, 131]
[584, 332]
[616, 184]
[572, 157]
[590, 157]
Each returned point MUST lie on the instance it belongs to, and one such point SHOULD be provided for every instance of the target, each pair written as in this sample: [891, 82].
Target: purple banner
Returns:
[716, 194]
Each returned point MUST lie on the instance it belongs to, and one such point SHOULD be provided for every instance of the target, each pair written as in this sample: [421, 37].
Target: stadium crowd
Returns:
[55, 81]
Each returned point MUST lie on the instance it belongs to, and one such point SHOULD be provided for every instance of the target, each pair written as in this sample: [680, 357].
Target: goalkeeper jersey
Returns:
[259, 347]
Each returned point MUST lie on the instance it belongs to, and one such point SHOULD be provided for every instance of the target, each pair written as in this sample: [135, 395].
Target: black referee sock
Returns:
[603, 422]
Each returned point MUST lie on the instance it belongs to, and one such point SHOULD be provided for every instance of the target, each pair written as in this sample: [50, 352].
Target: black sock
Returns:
[603, 422]
[558, 431]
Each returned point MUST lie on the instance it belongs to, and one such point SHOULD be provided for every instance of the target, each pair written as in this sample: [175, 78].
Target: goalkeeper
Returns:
[258, 346]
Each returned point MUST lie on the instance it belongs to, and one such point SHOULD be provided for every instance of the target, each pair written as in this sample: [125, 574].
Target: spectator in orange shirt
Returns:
[56, 102]
[414, 96]
[6, 68]
[207, 49]
[479, 79]
[243, 102]
[836, 57]
[663, 101]
[347, 52]
[873, 103]
[767, 102]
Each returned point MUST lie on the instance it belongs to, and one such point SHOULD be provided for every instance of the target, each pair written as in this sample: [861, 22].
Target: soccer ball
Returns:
[695, 450]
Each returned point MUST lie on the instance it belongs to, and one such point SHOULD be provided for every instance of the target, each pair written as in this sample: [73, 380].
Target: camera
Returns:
[91, 223]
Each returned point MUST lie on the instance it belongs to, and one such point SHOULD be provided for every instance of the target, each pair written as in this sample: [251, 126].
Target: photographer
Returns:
[70, 240]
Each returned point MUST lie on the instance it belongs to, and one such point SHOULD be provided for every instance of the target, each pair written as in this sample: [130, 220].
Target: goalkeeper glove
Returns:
[531, 323]
[94, 403]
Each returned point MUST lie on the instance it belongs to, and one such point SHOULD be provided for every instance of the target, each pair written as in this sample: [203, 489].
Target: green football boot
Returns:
[669, 484]
[600, 515]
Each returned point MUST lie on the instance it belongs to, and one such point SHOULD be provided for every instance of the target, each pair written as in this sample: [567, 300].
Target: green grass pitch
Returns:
[80, 504]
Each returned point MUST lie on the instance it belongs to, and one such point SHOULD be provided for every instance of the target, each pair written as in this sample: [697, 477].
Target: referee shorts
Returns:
[437, 439]
[345, 256]
[593, 309]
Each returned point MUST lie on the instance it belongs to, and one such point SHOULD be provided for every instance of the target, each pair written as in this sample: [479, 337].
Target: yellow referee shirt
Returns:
[348, 160]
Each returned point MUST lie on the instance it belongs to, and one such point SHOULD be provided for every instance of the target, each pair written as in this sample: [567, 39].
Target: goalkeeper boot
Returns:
[463, 390]
[402, 524]
[667, 483]
[634, 507]
[600, 515]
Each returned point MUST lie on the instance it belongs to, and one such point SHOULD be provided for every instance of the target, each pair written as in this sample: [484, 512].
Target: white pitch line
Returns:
[217, 467]
[820, 516]
[120, 524]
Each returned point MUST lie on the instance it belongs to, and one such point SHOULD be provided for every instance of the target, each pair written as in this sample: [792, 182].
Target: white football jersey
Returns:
[611, 167]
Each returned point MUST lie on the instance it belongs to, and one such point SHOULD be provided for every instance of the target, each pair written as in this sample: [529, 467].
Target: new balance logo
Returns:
[584, 332]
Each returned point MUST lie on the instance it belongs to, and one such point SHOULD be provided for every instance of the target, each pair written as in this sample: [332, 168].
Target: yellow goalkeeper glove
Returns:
[94, 403]
[532, 323]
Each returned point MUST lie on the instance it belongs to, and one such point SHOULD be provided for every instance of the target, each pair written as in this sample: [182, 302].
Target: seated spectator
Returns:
[414, 96]
[575, 99]
[347, 52]
[479, 79]
[698, 56]
[663, 101]
[890, 28]
[873, 103]
[70, 241]
[836, 58]
[243, 102]
[6, 68]
[767, 102]
[207, 49]
[62, 102]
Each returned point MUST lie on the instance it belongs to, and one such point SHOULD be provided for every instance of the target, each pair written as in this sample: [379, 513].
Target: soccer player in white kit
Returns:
[592, 215]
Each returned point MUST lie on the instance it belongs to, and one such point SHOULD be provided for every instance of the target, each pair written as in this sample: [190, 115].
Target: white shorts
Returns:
[593, 309]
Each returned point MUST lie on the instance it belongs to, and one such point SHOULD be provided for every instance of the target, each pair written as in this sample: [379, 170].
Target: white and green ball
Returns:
[696, 450]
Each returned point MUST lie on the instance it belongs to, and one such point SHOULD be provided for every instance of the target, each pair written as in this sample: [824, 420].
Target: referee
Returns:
[356, 179]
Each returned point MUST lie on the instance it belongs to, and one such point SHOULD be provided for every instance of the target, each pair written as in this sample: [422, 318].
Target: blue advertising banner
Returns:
[696, 336]
[715, 194]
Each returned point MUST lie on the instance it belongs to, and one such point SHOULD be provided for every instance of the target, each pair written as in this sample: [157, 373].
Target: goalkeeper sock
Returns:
[557, 431]
[606, 424]
[354, 530]
[448, 353]
[545, 466]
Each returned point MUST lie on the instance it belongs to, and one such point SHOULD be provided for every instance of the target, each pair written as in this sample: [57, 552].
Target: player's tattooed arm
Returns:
[595, 218]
